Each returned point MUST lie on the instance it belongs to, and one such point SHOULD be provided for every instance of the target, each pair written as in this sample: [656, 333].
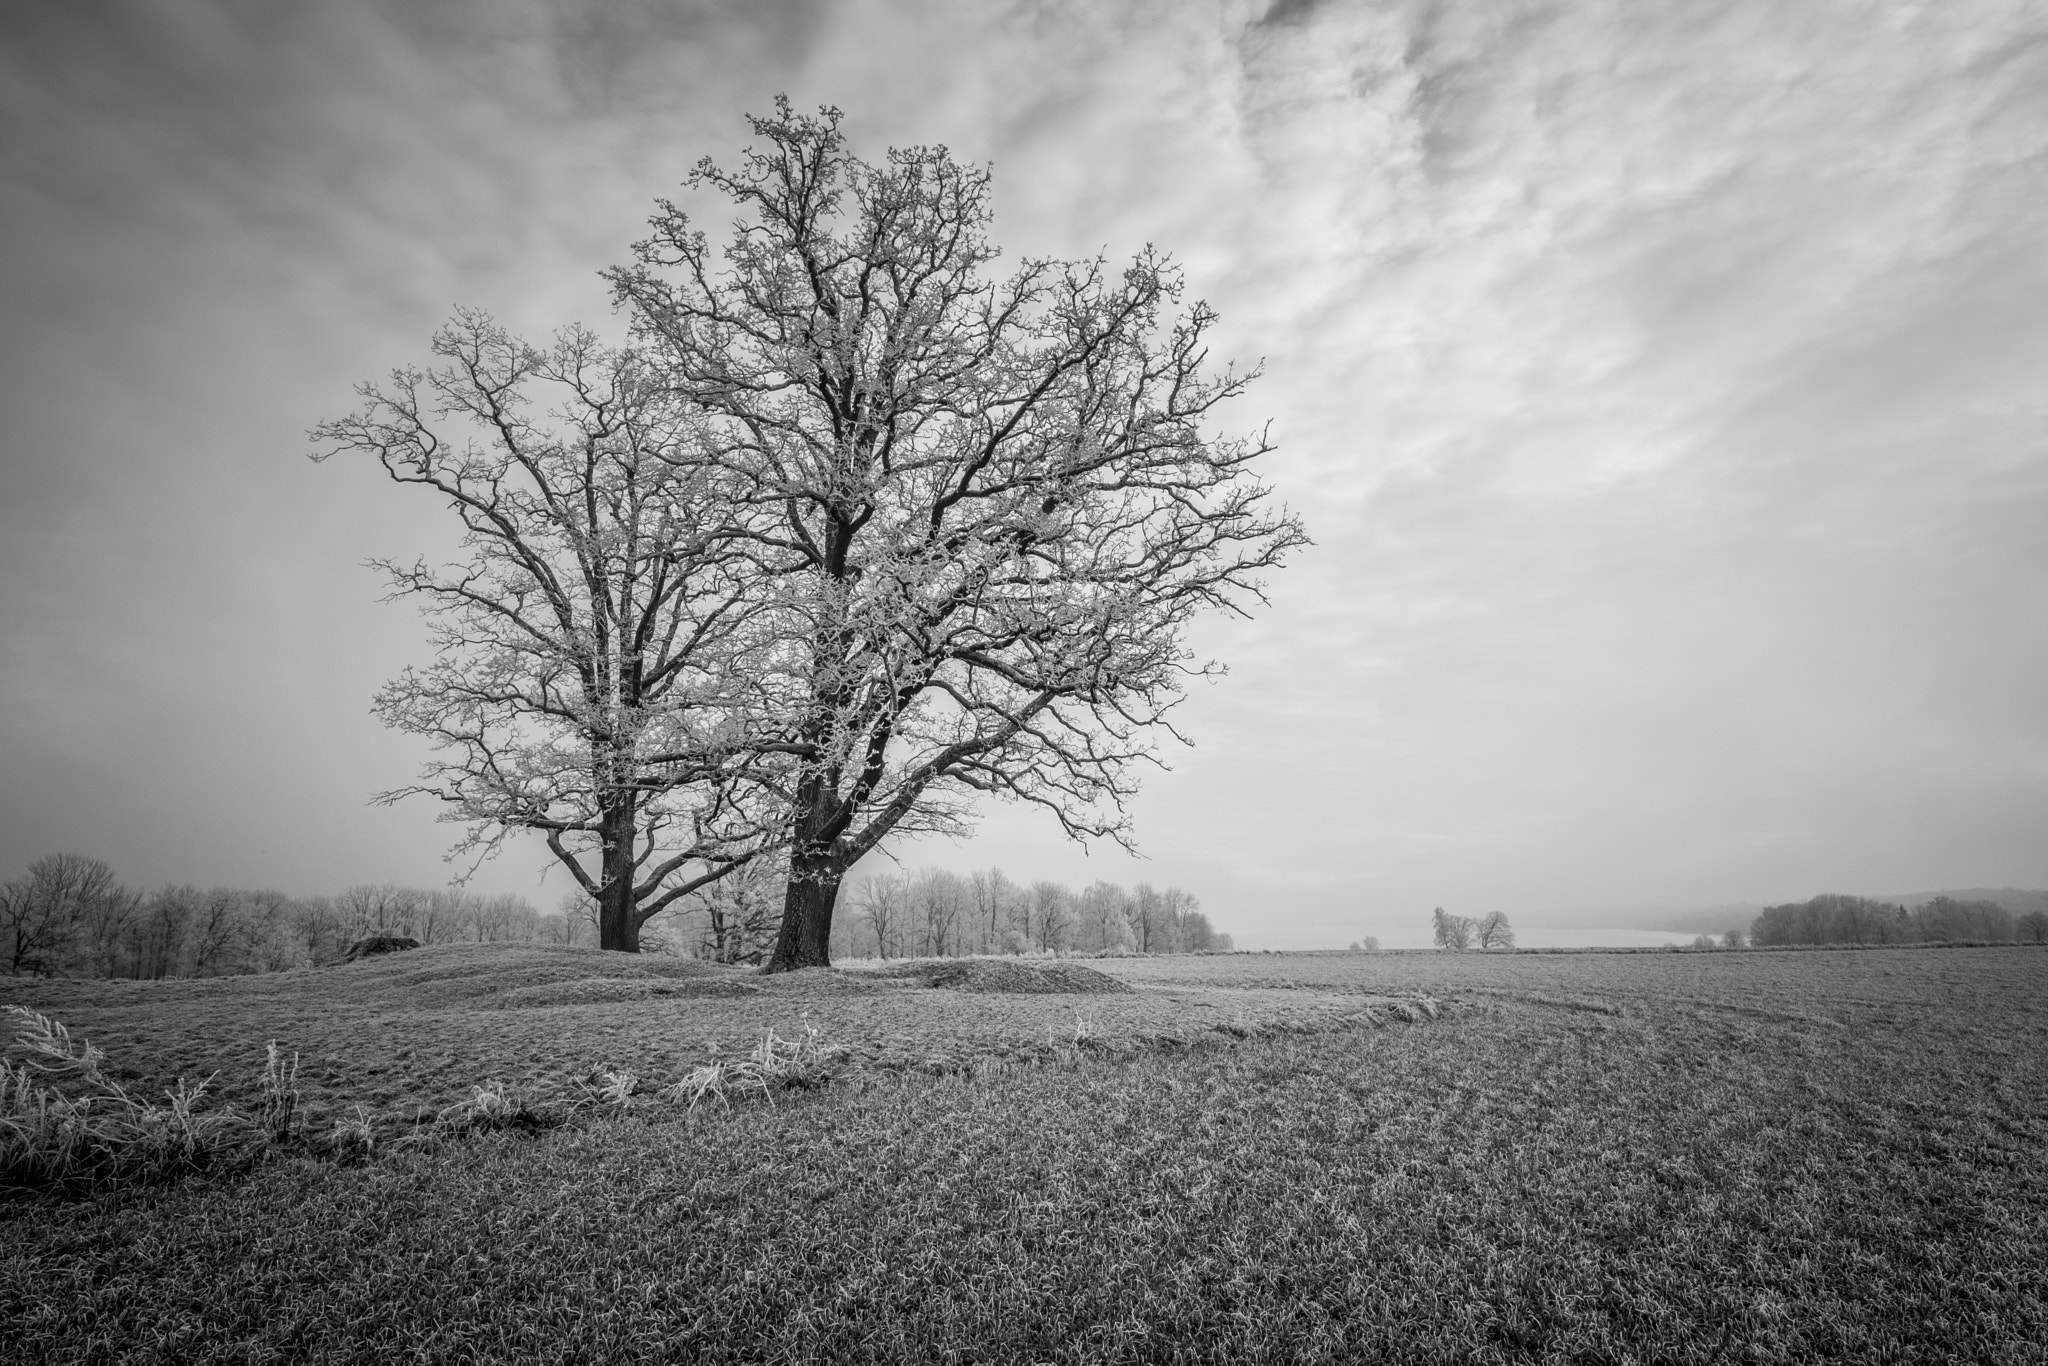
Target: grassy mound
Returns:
[1009, 975]
[584, 991]
[437, 976]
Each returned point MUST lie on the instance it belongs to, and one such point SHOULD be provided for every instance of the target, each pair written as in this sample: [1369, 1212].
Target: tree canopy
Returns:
[854, 533]
[981, 510]
[593, 649]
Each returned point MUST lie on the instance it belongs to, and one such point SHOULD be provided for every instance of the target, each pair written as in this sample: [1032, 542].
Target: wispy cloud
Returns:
[1658, 380]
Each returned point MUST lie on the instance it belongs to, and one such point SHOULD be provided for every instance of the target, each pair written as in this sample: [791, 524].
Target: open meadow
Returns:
[1755, 1156]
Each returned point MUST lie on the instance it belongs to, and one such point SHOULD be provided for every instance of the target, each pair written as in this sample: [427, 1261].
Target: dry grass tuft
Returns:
[774, 1064]
[65, 1125]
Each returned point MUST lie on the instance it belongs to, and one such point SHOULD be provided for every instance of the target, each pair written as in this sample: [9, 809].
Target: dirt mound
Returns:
[1000, 974]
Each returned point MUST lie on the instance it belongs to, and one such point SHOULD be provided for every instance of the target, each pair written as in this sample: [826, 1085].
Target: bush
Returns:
[371, 945]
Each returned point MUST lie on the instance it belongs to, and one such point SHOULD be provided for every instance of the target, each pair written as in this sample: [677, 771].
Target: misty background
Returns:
[1661, 382]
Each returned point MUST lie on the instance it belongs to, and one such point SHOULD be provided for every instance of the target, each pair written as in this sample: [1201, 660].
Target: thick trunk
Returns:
[617, 927]
[806, 935]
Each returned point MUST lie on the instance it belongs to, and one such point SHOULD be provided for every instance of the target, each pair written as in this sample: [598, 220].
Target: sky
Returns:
[1661, 383]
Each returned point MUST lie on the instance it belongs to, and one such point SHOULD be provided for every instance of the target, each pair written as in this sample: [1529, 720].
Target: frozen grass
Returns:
[412, 1033]
[64, 1126]
[1836, 1157]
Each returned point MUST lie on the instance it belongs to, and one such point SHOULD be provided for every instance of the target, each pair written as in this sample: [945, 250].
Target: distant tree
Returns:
[1103, 914]
[1833, 918]
[881, 906]
[1197, 934]
[1151, 920]
[1049, 910]
[993, 895]
[443, 916]
[44, 915]
[593, 648]
[1495, 932]
[213, 934]
[378, 908]
[157, 935]
[574, 923]
[1453, 932]
[939, 903]
[1188, 930]
[988, 509]
[1735, 939]
[2032, 927]
[1948, 918]
[1116, 933]
[317, 930]
[737, 915]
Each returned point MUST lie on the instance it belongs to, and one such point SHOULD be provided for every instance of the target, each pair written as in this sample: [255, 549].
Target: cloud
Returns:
[1659, 381]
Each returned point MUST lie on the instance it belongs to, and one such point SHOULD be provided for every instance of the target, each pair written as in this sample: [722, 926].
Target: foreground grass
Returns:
[412, 1034]
[1523, 1180]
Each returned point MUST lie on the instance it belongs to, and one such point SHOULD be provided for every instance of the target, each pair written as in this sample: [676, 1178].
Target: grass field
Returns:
[1584, 1157]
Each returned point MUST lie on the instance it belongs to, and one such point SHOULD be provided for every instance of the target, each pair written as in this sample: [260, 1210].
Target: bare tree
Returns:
[937, 900]
[443, 916]
[379, 908]
[1453, 932]
[881, 902]
[106, 926]
[507, 916]
[1049, 914]
[592, 647]
[1188, 927]
[1105, 911]
[44, 915]
[1149, 920]
[214, 933]
[1495, 932]
[739, 913]
[987, 510]
[993, 893]
[316, 929]
[157, 937]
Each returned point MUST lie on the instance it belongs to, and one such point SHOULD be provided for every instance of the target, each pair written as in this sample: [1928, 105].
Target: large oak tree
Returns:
[979, 512]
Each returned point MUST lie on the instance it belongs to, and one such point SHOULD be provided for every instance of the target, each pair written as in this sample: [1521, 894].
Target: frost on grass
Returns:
[774, 1064]
[1001, 974]
[65, 1124]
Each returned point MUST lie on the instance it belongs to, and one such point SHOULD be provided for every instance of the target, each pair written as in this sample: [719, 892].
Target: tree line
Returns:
[1833, 918]
[936, 913]
[939, 913]
[69, 916]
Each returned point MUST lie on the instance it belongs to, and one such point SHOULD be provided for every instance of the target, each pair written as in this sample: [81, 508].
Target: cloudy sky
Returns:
[1665, 385]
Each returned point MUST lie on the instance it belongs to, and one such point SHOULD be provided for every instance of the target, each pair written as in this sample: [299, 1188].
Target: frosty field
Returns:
[1650, 1156]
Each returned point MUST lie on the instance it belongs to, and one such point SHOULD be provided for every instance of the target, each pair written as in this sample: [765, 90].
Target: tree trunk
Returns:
[617, 927]
[806, 935]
